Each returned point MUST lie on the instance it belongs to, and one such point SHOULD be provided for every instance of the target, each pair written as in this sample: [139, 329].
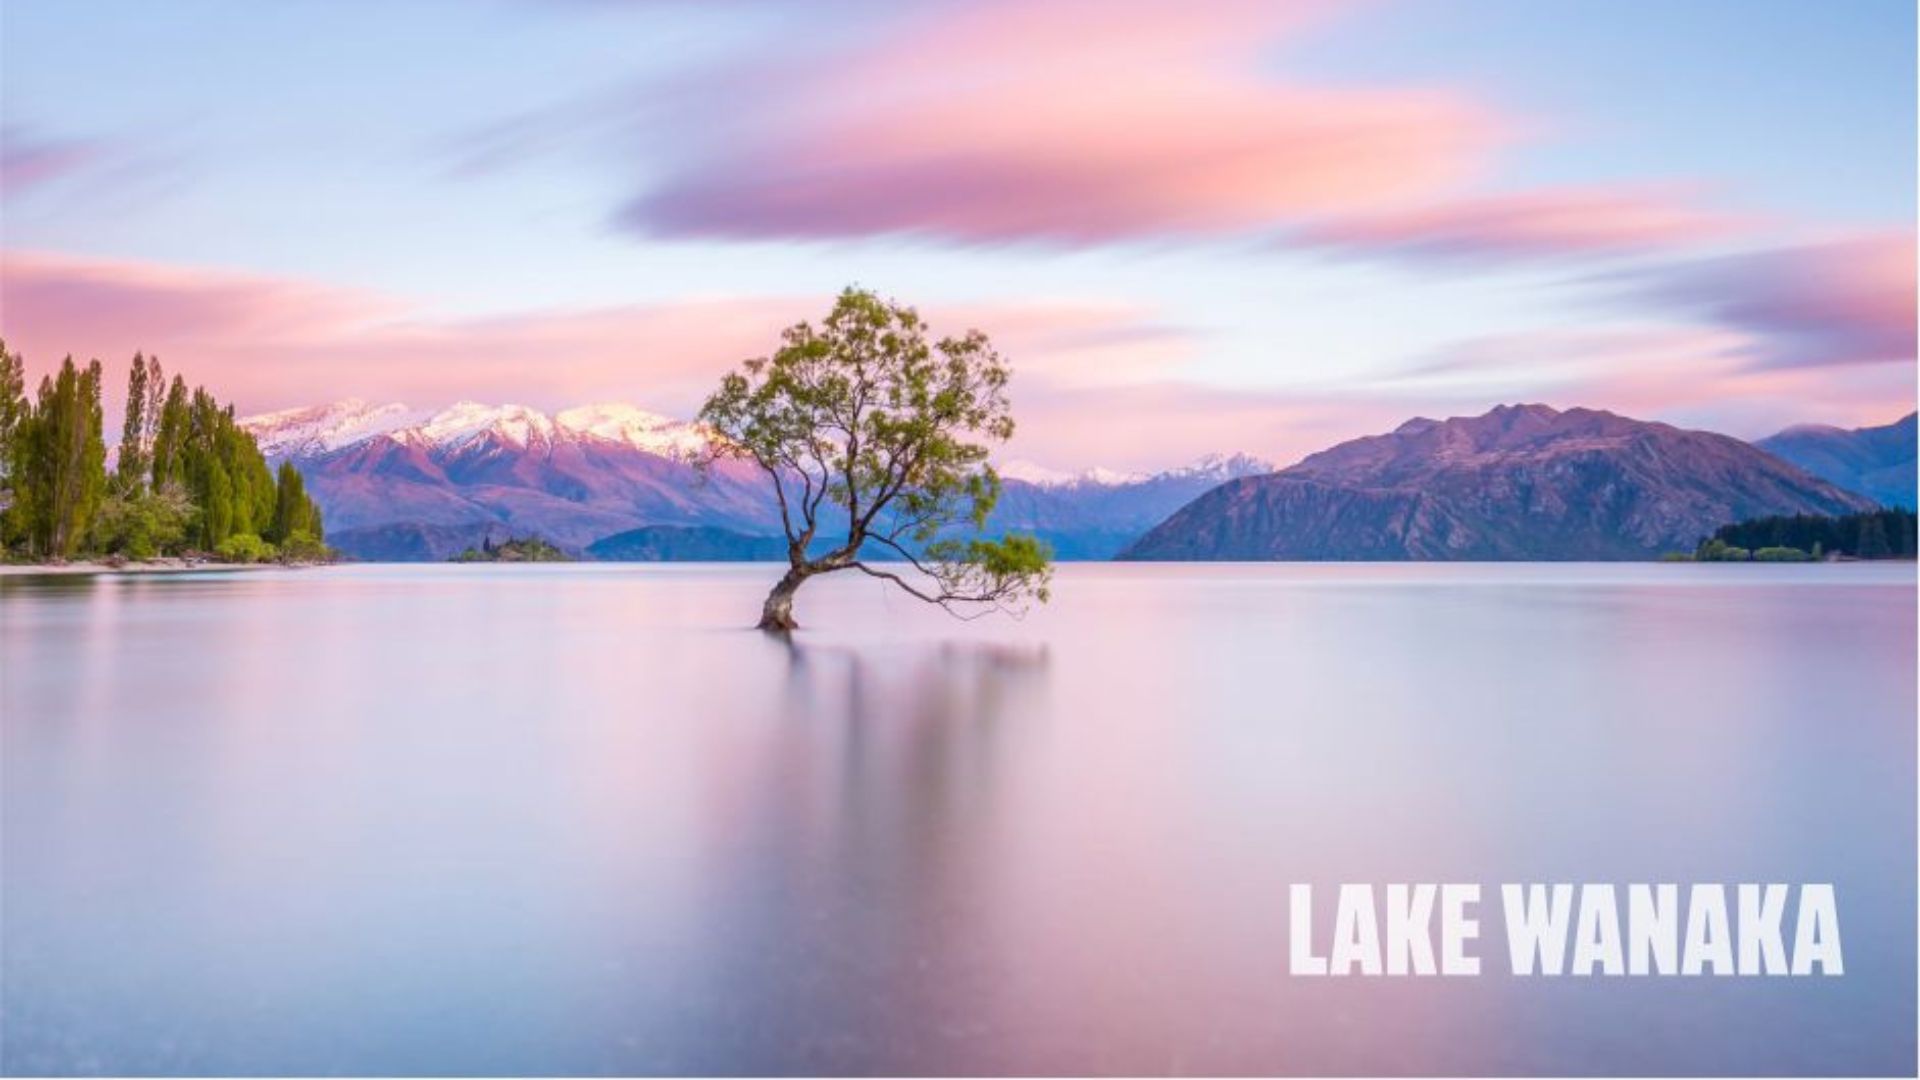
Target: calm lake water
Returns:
[575, 820]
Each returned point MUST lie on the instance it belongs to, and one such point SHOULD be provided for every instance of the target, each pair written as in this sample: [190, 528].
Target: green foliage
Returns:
[977, 566]
[1676, 556]
[146, 389]
[1715, 549]
[1781, 554]
[865, 415]
[1877, 534]
[187, 476]
[239, 494]
[170, 435]
[59, 473]
[196, 444]
[293, 512]
[215, 493]
[15, 412]
[142, 523]
[14, 408]
[304, 547]
[530, 549]
[244, 548]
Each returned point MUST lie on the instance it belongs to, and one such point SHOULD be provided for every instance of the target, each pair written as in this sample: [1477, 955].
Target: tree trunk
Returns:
[777, 615]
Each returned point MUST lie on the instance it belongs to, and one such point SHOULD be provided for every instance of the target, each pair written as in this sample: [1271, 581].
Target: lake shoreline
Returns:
[155, 566]
[182, 566]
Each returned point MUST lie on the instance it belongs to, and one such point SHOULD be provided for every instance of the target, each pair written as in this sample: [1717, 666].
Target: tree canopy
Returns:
[875, 438]
[187, 477]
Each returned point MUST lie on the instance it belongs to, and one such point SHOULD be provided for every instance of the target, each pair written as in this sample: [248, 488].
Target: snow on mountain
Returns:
[1215, 467]
[403, 483]
[320, 429]
[316, 429]
[637, 428]
[1219, 468]
[462, 422]
[1043, 477]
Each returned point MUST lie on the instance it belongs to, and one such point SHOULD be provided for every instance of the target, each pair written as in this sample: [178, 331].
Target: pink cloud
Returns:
[110, 302]
[268, 343]
[1693, 375]
[29, 159]
[1095, 382]
[1535, 224]
[1073, 122]
[1847, 301]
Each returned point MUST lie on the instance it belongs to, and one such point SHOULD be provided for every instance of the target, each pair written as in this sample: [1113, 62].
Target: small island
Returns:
[530, 549]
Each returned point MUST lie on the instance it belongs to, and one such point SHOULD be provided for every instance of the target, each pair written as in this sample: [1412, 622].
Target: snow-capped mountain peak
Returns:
[398, 482]
[1223, 467]
[462, 422]
[1031, 473]
[638, 428]
[320, 429]
[1042, 476]
[1215, 467]
[317, 429]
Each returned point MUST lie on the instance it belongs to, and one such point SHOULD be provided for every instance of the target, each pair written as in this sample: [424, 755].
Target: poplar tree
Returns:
[15, 412]
[63, 468]
[187, 474]
[14, 408]
[292, 511]
[146, 389]
[170, 436]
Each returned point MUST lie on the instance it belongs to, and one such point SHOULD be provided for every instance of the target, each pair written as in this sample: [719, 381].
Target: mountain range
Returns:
[613, 481]
[1519, 482]
[1875, 461]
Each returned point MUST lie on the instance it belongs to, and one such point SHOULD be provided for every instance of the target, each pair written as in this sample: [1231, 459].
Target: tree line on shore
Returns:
[1876, 534]
[186, 480]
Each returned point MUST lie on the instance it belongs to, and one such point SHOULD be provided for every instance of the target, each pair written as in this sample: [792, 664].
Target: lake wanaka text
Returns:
[1567, 929]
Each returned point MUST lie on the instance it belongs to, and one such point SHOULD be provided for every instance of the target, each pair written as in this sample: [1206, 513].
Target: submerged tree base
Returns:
[776, 616]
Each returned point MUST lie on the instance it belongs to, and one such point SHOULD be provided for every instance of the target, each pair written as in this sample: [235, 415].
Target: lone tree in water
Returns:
[864, 417]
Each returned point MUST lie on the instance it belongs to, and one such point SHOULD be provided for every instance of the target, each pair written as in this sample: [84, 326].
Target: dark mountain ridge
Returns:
[1519, 482]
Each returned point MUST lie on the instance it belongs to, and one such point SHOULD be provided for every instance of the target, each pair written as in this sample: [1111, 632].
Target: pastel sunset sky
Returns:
[1191, 225]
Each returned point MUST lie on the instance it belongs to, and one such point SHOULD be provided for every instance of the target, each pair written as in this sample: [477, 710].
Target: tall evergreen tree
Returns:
[216, 505]
[1873, 534]
[63, 474]
[170, 436]
[1873, 538]
[187, 477]
[16, 412]
[291, 507]
[14, 407]
[130, 473]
